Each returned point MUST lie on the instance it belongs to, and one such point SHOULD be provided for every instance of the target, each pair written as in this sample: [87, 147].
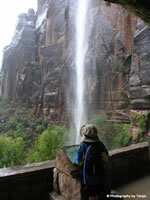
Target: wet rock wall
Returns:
[38, 66]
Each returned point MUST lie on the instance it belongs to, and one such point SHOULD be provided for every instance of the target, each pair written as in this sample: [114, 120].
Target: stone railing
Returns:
[125, 164]
[29, 182]
[35, 181]
[129, 163]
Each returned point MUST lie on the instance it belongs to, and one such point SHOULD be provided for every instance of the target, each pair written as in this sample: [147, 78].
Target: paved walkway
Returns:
[137, 190]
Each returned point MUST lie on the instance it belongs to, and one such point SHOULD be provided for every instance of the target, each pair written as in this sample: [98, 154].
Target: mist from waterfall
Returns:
[81, 49]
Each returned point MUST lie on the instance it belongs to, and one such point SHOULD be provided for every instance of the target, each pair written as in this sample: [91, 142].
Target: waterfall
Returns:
[1, 77]
[81, 48]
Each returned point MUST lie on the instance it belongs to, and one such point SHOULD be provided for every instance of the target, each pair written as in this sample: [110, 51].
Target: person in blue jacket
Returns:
[93, 183]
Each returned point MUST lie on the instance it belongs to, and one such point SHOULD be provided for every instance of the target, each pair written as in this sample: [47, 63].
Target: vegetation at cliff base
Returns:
[25, 138]
[47, 144]
[117, 135]
[114, 135]
[11, 151]
[139, 121]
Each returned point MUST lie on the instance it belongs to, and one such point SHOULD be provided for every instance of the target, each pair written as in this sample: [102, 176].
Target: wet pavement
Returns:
[136, 190]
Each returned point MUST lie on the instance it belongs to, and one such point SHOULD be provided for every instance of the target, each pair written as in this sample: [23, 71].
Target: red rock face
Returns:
[124, 23]
[140, 70]
[137, 7]
[115, 28]
[19, 58]
[116, 61]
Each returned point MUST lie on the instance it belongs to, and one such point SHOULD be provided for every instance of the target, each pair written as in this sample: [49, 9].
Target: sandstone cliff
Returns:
[18, 58]
[140, 8]
[38, 65]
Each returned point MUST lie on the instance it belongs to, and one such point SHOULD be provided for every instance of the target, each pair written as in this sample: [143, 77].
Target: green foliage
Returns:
[4, 101]
[24, 137]
[148, 140]
[104, 128]
[123, 136]
[20, 122]
[35, 63]
[11, 151]
[139, 120]
[114, 135]
[47, 144]
[139, 136]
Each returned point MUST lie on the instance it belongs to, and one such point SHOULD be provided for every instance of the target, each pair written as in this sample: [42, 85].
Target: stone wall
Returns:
[30, 182]
[126, 164]
[129, 163]
[35, 181]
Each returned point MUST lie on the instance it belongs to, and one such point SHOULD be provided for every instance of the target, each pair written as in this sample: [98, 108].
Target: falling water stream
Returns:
[81, 48]
[1, 77]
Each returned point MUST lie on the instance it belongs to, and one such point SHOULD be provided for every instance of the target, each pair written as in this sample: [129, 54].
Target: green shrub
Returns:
[106, 130]
[47, 144]
[19, 122]
[139, 120]
[123, 136]
[4, 101]
[11, 151]
[113, 135]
